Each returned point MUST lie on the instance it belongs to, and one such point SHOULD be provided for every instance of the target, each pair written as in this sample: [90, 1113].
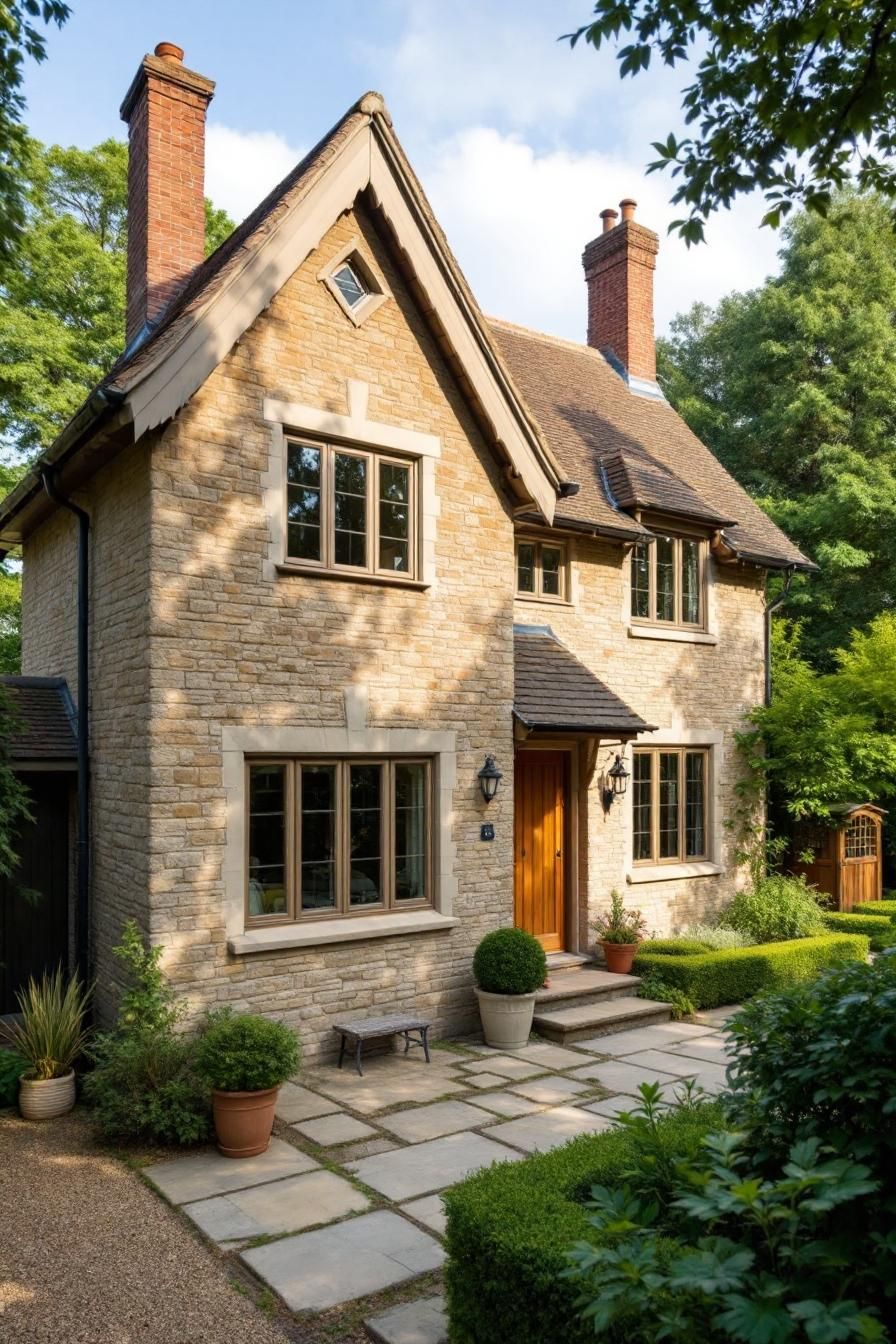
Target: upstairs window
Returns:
[668, 580]
[541, 570]
[350, 511]
[355, 282]
[670, 788]
[350, 285]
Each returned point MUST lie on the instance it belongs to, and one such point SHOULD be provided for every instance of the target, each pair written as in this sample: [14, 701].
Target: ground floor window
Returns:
[670, 789]
[332, 837]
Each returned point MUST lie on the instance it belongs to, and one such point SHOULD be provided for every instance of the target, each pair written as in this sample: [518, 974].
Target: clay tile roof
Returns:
[592, 421]
[639, 482]
[552, 689]
[43, 719]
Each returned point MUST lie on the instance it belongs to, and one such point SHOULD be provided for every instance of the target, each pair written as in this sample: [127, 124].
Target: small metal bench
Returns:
[373, 1028]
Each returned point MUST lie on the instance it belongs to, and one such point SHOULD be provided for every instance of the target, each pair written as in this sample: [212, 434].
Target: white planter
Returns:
[44, 1099]
[506, 1018]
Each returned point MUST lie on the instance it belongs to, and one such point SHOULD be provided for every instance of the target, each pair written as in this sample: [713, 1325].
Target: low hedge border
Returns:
[510, 1226]
[730, 975]
[881, 930]
[883, 909]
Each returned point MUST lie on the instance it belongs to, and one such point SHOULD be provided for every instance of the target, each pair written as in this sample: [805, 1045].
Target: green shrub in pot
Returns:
[49, 1035]
[509, 966]
[244, 1059]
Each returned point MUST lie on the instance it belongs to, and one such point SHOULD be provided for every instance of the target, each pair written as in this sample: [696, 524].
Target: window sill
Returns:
[541, 600]
[674, 634]
[381, 580]
[316, 933]
[667, 872]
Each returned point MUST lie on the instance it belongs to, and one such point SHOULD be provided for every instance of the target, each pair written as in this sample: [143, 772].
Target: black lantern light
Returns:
[616, 782]
[489, 779]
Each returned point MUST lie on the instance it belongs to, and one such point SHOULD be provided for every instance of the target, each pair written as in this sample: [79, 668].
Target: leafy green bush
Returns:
[881, 931]
[654, 987]
[620, 925]
[510, 1226]
[51, 1033]
[246, 1053]
[674, 947]
[713, 978]
[12, 1066]
[776, 907]
[144, 1085]
[717, 937]
[883, 909]
[509, 961]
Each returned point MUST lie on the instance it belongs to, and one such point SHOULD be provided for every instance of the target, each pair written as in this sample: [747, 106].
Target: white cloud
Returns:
[241, 167]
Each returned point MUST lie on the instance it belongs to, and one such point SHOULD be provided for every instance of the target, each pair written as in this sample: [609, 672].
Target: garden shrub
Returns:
[509, 961]
[12, 1066]
[717, 937]
[713, 978]
[245, 1053]
[883, 909]
[654, 987]
[510, 1226]
[674, 947]
[775, 908]
[144, 1084]
[880, 930]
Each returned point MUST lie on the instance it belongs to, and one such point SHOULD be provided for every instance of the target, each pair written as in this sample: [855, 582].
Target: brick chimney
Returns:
[619, 266]
[165, 110]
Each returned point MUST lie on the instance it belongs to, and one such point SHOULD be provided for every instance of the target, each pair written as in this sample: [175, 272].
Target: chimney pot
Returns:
[609, 218]
[628, 207]
[169, 51]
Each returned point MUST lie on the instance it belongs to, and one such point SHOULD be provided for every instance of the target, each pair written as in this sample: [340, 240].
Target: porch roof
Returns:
[43, 720]
[554, 690]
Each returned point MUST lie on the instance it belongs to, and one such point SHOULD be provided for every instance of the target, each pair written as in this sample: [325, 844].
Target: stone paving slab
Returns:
[550, 1091]
[711, 1049]
[506, 1066]
[369, 1095]
[717, 1017]
[663, 1061]
[423, 1322]
[619, 1075]
[712, 1078]
[485, 1080]
[283, 1206]
[506, 1103]
[315, 1270]
[658, 1037]
[202, 1175]
[329, 1130]
[549, 1056]
[610, 1106]
[429, 1210]
[426, 1167]
[549, 1129]
[297, 1103]
[431, 1122]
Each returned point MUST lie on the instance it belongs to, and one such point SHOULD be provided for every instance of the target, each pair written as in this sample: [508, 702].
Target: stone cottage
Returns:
[344, 550]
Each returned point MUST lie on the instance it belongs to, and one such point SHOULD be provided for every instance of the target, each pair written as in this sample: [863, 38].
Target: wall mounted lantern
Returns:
[489, 779]
[615, 782]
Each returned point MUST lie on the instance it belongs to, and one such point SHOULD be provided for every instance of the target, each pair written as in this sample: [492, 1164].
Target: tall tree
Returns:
[788, 96]
[20, 36]
[794, 387]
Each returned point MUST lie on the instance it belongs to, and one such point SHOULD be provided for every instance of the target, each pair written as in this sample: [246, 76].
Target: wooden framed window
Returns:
[328, 838]
[861, 839]
[670, 807]
[350, 511]
[542, 569]
[668, 582]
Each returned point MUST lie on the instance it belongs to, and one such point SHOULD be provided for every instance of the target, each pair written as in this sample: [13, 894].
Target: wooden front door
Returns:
[539, 845]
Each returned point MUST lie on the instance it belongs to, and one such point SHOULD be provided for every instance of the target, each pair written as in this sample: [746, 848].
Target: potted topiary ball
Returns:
[245, 1059]
[619, 934]
[509, 966]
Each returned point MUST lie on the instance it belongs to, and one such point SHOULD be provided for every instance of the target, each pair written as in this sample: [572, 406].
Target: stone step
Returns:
[585, 986]
[600, 1017]
[563, 963]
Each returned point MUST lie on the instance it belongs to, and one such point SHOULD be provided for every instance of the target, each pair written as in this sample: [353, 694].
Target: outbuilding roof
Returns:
[554, 690]
[43, 720]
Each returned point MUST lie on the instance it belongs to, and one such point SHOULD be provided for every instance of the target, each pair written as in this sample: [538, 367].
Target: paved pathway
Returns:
[345, 1204]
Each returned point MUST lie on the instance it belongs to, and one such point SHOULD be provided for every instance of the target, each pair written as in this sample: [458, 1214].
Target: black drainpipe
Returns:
[770, 609]
[82, 913]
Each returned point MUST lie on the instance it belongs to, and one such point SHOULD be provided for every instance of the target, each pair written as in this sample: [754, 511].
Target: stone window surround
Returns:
[566, 597]
[672, 633]
[354, 738]
[368, 272]
[358, 430]
[713, 741]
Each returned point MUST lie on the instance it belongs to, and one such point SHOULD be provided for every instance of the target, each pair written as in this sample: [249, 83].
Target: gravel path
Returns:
[89, 1255]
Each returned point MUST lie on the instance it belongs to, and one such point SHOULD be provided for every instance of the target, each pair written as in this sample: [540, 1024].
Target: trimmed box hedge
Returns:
[880, 929]
[510, 1226]
[730, 975]
[884, 909]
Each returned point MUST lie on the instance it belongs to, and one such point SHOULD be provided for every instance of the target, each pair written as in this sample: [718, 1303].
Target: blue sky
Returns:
[519, 141]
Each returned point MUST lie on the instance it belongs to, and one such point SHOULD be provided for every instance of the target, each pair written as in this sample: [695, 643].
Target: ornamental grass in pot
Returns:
[509, 966]
[245, 1059]
[619, 934]
[49, 1036]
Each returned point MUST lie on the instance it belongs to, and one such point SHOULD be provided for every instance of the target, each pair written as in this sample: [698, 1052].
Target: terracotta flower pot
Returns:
[46, 1098]
[619, 957]
[243, 1121]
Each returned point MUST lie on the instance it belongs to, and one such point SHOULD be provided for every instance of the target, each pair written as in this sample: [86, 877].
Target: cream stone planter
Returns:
[46, 1098]
[506, 1018]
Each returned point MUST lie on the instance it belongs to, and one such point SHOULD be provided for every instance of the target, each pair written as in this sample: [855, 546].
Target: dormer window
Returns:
[355, 282]
[668, 581]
